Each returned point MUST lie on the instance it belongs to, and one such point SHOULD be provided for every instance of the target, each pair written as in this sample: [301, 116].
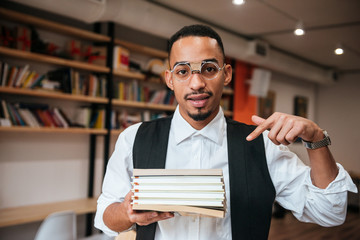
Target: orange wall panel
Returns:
[244, 105]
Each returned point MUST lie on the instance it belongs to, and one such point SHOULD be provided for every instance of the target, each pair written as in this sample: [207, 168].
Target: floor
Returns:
[289, 228]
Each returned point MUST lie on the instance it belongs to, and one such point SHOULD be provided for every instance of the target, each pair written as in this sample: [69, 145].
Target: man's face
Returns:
[198, 98]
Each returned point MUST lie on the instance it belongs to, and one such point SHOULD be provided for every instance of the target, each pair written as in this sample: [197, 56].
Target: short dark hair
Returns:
[196, 30]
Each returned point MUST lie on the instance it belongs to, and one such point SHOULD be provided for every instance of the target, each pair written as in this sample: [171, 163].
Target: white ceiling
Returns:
[327, 23]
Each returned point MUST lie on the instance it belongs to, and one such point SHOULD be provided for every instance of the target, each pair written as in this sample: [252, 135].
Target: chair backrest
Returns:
[58, 226]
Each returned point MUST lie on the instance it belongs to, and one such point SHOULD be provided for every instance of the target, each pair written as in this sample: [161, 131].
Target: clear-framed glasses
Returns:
[208, 70]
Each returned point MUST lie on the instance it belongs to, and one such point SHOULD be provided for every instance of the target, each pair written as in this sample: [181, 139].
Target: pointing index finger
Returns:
[262, 126]
[257, 131]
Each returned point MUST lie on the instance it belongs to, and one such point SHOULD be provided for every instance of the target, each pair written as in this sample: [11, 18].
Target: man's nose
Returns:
[196, 81]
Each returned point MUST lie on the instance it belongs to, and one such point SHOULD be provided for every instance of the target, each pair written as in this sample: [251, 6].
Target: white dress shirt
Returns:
[189, 148]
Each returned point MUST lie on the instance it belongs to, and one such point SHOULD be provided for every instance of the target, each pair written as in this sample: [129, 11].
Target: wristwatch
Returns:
[322, 143]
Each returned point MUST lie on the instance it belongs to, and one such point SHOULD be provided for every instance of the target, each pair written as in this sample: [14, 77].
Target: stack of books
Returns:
[185, 191]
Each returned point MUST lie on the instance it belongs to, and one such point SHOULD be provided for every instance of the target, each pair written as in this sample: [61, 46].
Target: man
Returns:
[257, 167]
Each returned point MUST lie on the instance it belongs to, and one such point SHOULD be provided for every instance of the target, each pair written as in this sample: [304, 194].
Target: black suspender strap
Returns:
[251, 190]
[149, 151]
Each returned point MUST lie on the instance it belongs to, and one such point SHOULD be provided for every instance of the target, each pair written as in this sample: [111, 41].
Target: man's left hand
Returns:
[285, 129]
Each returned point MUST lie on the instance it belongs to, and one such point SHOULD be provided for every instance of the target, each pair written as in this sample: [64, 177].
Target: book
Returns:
[61, 118]
[121, 58]
[4, 74]
[28, 117]
[185, 191]
[64, 76]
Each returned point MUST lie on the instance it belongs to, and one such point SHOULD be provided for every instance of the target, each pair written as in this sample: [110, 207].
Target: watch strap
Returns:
[315, 145]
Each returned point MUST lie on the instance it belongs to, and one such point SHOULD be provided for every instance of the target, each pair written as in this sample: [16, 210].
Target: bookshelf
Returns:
[143, 105]
[52, 130]
[128, 74]
[141, 49]
[51, 60]
[32, 213]
[54, 95]
[52, 26]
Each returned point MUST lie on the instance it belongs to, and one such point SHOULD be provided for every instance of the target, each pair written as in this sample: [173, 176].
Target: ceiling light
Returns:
[299, 31]
[339, 50]
[238, 2]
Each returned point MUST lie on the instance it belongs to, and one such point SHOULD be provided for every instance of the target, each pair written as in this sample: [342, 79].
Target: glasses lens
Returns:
[209, 70]
[182, 72]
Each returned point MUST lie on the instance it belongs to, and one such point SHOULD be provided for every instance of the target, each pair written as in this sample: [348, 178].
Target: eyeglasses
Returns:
[208, 70]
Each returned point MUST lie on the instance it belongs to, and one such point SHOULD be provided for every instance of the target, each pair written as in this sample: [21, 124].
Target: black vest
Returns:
[252, 192]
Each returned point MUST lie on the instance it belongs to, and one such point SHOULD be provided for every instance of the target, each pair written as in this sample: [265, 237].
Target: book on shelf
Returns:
[19, 76]
[88, 117]
[121, 58]
[5, 116]
[63, 76]
[74, 82]
[135, 91]
[185, 191]
[32, 115]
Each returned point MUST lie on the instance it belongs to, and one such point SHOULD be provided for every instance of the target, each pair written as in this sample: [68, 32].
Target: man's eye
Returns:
[210, 69]
[182, 72]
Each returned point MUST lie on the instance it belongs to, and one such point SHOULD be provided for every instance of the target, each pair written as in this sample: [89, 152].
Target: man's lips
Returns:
[198, 100]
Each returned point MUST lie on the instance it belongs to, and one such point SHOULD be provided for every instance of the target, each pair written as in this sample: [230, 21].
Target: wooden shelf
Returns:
[143, 105]
[228, 91]
[53, 130]
[129, 74]
[228, 113]
[116, 131]
[55, 95]
[141, 49]
[52, 26]
[34, 213]
[52, 60]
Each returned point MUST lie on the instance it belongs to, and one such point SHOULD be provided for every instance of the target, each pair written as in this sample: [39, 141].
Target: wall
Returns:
[286, 89]
[339, 113]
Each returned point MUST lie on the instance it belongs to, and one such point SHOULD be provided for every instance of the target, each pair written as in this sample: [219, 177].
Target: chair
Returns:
[63, 226]
[58, 226]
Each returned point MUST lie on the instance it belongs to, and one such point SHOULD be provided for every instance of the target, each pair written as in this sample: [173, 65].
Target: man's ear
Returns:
[228, 74]
[168, 79]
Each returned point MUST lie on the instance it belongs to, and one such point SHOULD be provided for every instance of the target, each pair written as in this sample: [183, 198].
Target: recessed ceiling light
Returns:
[339, 50]
[299, 31]
[238, 2]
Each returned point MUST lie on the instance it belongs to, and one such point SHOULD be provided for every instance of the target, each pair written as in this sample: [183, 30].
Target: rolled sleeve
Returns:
[295, 191]
[327, 207]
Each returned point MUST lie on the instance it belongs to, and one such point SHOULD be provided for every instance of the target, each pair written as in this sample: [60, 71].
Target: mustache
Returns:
[198, 92]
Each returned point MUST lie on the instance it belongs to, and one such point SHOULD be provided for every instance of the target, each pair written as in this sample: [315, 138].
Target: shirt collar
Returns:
[182, 130]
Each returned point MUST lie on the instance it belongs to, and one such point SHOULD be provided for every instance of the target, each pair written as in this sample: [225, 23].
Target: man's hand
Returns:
[285, 129]
[120, 216]
[143, 218]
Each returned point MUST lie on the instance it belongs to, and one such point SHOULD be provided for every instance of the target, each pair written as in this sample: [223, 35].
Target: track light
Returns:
[339, 50]
[299, 31]
[238, 2]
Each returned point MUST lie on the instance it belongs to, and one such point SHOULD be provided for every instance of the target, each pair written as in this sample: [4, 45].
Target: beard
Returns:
[200, 116]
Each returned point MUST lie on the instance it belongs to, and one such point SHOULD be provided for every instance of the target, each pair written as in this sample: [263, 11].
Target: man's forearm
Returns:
[116, 218]
[323, 167]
